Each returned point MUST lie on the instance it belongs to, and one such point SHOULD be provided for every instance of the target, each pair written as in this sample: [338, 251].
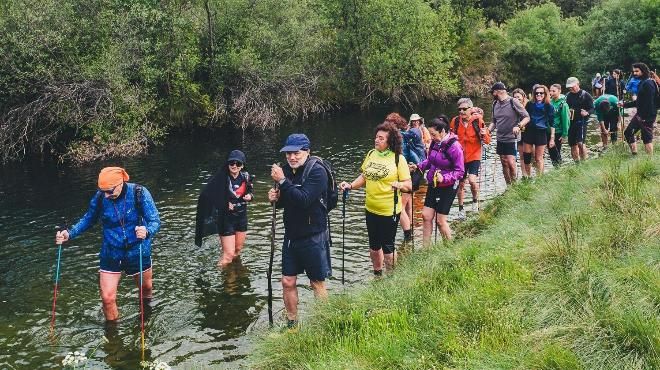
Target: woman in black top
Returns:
[225, 199]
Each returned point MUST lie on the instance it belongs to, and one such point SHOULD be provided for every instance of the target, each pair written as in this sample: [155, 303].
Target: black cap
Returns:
[497, 86]
[236, 155]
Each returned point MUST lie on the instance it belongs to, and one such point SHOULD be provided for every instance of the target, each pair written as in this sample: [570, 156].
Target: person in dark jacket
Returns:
[614, 85]
[580, 106]
[647, 112]
[130, 221]
[306, 240]
[223, 205]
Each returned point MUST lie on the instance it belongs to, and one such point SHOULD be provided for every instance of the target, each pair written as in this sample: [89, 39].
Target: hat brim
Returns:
[291, 148]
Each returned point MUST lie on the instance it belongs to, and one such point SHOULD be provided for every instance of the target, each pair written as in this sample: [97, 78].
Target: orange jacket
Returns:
[468, 137]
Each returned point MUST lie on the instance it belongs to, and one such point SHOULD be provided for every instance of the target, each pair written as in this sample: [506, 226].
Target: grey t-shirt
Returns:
[505, 118]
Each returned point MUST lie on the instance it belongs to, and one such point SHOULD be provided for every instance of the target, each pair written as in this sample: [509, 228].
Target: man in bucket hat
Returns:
[129, 218]
[306, 245]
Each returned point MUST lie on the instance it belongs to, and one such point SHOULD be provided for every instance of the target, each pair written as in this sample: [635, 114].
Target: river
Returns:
[202, 316]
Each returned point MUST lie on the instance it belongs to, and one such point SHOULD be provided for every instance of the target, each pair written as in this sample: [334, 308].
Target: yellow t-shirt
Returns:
[380, 172]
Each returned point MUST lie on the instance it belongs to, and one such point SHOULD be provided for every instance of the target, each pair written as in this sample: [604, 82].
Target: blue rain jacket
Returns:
[119, 218]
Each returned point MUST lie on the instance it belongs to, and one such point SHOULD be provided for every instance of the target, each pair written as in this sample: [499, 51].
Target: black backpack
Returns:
[332, 194]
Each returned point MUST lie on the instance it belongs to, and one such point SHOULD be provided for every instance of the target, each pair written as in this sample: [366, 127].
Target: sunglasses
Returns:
[539, 93]
[236, 163]
[463, 109]
[109, 192]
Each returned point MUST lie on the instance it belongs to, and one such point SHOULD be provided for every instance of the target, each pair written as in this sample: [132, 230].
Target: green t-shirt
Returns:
[613, 105]
[380, 172]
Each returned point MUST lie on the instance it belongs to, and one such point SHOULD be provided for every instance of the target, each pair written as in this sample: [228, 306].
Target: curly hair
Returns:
[397, 120]
[394, 139]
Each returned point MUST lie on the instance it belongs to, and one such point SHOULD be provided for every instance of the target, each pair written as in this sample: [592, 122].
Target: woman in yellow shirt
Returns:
[385, 175]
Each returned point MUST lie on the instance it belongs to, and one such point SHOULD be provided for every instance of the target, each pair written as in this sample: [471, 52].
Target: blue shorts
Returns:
[129, 265]
[309, 254]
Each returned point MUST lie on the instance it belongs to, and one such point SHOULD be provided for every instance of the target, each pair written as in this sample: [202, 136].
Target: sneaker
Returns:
[475, 206]
[461, 214]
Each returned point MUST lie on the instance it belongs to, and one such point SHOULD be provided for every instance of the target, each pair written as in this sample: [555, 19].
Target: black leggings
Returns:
[555, 153]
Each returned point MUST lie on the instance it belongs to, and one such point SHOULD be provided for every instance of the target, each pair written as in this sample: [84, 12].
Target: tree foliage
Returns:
[99, 78]
[541, 46]
[619, 33]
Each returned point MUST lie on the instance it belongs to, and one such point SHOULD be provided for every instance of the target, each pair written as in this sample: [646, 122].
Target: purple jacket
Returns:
[451, 167]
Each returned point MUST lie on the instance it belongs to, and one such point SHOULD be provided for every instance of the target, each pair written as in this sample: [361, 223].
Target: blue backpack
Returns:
[412, 147]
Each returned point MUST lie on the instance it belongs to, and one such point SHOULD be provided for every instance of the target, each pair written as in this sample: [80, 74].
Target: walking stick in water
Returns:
[141, 298]
[344, 197]
[270, 262]
[57, 278]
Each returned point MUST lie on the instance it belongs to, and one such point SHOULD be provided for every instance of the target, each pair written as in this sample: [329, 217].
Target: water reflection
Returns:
[228, 305]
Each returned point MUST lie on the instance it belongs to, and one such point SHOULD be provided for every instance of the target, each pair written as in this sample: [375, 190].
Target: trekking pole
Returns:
[344, 197]
[396, 201]
[272, 256]
[412, 218]
[57, 277]
[141, 296]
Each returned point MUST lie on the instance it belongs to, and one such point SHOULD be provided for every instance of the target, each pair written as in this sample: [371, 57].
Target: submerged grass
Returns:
[561, 273]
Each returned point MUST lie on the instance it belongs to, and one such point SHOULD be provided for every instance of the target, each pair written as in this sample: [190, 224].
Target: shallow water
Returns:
[202, 316]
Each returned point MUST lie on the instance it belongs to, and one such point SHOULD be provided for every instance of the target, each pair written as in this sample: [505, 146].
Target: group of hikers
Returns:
[445, 153]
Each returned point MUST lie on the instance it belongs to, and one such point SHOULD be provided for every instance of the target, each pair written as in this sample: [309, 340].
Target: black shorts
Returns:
[233, 223]
[440, 199]
[577, 132]
[506, 148]
[310, 255]
[638, 124]
[535, 136]
[472, 168]
[382, 231]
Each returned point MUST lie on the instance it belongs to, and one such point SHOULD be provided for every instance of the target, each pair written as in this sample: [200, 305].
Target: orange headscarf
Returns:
[111, 177]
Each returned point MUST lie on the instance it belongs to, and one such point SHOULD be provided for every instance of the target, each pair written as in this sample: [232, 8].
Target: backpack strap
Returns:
[138, 202]
[453, 125]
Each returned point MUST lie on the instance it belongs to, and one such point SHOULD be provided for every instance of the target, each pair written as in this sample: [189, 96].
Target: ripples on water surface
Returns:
[202, 316]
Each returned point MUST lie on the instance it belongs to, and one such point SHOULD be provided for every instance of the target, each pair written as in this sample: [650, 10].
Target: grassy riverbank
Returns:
[561, 273]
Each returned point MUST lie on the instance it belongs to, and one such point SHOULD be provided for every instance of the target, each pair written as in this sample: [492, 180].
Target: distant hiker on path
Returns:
[444, 170]
[306, 240]
[607, 114]
[581, 106]
[646, 115]
[130, 218]
[384, 174]
[559, 134]
[469, 128]
[535, 135]
[508, 116]
[413, 151]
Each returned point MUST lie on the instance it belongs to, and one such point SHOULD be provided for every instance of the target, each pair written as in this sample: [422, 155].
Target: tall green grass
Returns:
[559, 273]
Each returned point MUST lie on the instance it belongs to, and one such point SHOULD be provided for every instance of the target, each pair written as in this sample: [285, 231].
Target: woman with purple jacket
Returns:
[445, 169]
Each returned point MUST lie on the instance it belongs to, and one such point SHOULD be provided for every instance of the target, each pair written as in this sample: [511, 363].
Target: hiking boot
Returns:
[292, 324]
[475, 206]
[461, 214]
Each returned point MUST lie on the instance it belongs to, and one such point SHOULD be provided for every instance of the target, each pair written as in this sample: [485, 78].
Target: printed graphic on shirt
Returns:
[375, 171]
